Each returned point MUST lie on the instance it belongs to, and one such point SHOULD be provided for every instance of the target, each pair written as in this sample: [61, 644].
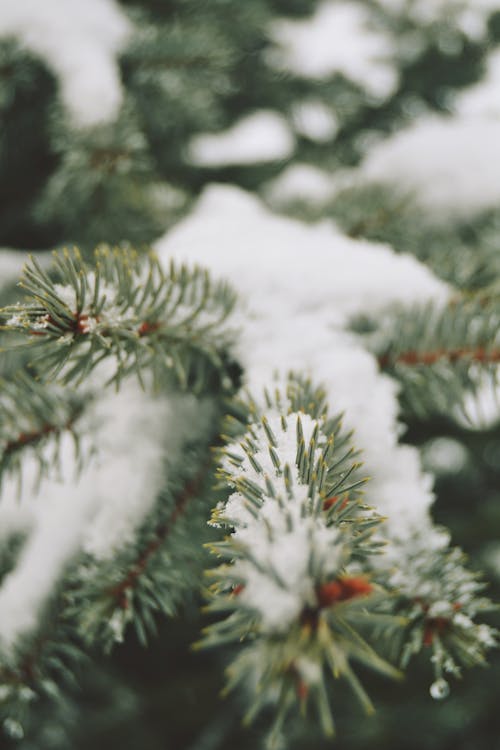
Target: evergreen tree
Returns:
[255, 417]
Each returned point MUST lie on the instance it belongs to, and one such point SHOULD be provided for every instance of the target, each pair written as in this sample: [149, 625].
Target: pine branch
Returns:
[34, 417]
[106, 185]
[439, 356]
[440, 599]
[412, 357]
[100, 599]
[292, 584]
[43, 667]
[155, 574]
[123, 591]
[128, 313]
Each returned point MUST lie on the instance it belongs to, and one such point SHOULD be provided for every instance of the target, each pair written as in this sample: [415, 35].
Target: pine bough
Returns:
[307, 581]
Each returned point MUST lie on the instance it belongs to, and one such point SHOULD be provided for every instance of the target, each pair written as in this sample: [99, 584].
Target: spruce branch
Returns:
[128, 312]
[107, 185]
[101, 598]
[34, 416]
[440, 355]
[154, 575]
[293, 584]
[41, 668]
[440, 598]
[464, 254]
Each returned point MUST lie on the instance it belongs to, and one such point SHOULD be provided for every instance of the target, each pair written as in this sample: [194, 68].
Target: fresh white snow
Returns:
[99, 512]
[449, 164]
[299, 286]
[469, 16]
[302, 182]
[338, 38]
[260, 137]
[314, 120]
[79, 41]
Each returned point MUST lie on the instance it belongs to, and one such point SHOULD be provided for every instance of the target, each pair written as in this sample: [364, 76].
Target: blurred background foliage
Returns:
[195, 67]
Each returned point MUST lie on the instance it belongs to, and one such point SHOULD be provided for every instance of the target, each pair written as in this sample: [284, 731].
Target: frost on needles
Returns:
[295, 582]
[302, 589]
[132, 315]
[318, 569]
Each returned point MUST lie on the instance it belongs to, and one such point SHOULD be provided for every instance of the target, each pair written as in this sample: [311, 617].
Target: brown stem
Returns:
[413, 358]
[80, 326]
[32, 438]
[25, 673]
[191, 489]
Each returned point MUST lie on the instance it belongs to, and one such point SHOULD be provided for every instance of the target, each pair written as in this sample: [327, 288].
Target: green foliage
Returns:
[195, 66]
[440, 355]
[34, 416]
[439, 600]
[106, 187]
[134, 315]
[159, 573]
[43, 671]
[283, 485]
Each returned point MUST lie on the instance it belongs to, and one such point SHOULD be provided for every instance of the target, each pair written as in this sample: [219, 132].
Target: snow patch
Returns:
[450, 164]
[336, 39]
[100, 511]
[314, 120]
[301, 182]
[483, 98]
[299, 285]
[261, 137]
[79, 41]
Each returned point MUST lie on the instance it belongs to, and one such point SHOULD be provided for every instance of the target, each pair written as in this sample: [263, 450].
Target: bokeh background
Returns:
[383, 115]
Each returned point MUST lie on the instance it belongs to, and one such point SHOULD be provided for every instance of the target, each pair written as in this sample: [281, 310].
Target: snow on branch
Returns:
[92, 518]
[300, 572]
[299, 287]
[32, 416]
[339, 38]
[79, 42]
[291, 584]
[446, 164]
[106, 547]
[304, 567]
[439, 598]
[260, 137]
[442, 357]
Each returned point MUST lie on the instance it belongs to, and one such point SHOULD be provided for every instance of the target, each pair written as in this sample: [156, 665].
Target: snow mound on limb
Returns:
[100, 512]
[261, 137]
[449, 165]
[338, 38]
[79, 41]
[299, 286]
